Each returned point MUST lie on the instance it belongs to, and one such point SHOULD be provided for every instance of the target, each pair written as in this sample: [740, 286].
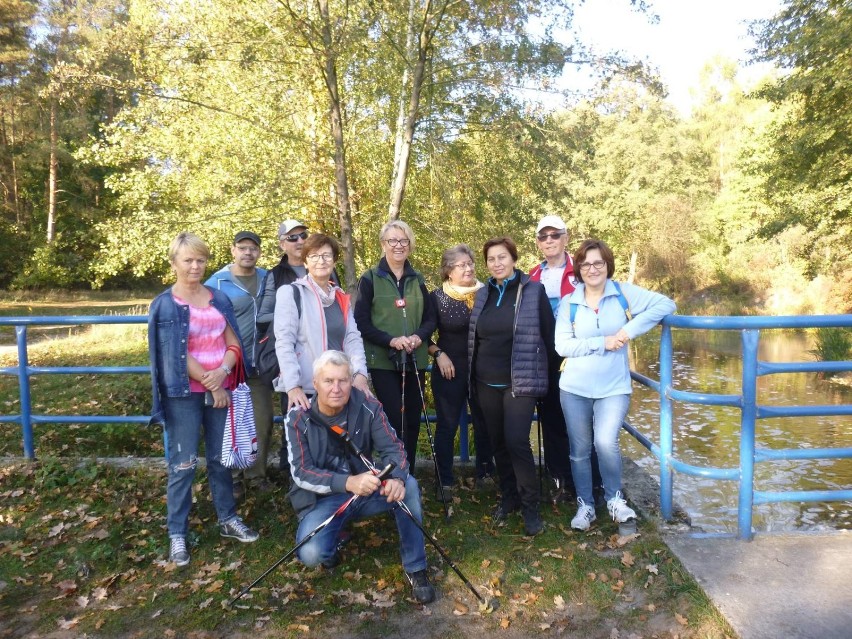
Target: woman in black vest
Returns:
[396, 318]
[510, 343]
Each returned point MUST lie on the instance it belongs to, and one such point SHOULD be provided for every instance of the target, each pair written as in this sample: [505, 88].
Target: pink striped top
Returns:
[206, 339]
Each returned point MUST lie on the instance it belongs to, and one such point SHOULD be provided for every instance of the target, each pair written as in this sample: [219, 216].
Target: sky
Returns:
[689, 33]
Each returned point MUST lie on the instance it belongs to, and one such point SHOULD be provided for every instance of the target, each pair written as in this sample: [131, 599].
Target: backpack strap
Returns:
[623, 301]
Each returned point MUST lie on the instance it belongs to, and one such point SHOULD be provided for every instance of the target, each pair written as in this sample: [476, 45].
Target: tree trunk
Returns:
[52, 178]
[344, 207]
[631, 273]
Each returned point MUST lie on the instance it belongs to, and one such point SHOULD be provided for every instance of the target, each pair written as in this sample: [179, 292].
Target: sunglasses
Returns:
[553, 236]
[295, 237]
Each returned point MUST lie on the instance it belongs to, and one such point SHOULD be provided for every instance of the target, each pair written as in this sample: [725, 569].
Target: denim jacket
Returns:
[168, 337]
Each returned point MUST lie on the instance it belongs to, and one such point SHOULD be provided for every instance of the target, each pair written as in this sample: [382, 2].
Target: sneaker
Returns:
[178, 554]
[533, 524]
[619, 510]
[236, 529]
[423, 591]
[502, 511]
[584, 517]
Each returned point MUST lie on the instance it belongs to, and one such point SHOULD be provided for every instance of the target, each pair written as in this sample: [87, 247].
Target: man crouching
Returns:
[325, 471]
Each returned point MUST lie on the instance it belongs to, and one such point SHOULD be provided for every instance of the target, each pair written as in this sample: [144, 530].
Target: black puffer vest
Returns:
[529, 352]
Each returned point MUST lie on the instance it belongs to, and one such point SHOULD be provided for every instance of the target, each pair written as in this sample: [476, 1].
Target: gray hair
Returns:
[399, 225]
[333, 358]
[451, 256]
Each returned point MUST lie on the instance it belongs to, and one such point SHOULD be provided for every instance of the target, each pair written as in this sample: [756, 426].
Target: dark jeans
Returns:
[509, 420]
[389, 390]
[450, 400]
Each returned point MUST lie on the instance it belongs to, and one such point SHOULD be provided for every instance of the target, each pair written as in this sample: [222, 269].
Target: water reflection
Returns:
[709, 361]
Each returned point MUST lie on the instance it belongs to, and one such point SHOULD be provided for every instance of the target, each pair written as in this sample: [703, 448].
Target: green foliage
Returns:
[833, 344]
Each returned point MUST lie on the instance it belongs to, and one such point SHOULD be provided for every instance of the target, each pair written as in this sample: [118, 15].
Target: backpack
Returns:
[267, 360]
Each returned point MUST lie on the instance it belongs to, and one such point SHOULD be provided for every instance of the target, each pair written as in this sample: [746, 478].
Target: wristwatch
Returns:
[437, 354]
[226, 368]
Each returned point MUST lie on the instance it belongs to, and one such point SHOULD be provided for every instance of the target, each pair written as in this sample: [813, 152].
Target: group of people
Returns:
[552, 340]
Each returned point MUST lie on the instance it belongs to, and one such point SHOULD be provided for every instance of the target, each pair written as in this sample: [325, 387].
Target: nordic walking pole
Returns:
[540, 446]
[381, 475]
[431, 439]
[492, 603]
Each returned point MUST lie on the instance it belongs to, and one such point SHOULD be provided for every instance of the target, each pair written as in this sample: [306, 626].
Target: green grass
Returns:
[84, 545]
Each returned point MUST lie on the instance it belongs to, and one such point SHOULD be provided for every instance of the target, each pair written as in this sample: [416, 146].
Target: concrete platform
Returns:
[775, 587]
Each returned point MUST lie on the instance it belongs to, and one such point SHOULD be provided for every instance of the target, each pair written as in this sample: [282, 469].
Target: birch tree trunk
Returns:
[52, 176]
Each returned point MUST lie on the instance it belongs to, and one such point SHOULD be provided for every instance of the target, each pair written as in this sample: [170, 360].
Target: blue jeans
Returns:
[598, 419]
[184, 419]
[324, 544]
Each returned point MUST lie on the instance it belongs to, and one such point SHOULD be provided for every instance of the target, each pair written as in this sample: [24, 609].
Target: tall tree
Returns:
[809, 175]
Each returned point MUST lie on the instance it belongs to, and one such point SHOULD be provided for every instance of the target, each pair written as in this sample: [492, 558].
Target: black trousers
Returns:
[451, 397]
[508, 420]
[554, 433]
[388, 386]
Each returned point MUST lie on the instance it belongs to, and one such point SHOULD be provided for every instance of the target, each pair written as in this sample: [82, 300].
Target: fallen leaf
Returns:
[82, 601]
[100, 594]
[544, 626]
[460, 609]
[67, 587]
[205, 603]
[485, 563]
[67, 624]
[683, 621]
[627, 559]
[58, 528]
[157, 614]
[559, 602]
[215, 586]
[300, 626]
[505, 623]
[536, 579]
[652, 568]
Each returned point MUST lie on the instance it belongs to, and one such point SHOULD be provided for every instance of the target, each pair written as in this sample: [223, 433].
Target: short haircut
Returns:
[451, 256]
[333, 358]
[316, 241]
[506, 241]
[400, 226]
[190, 241]
[606, 254]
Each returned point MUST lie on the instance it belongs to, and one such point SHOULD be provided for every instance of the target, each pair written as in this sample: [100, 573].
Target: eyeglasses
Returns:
[555, 235]
[395, 242]
[463, 266]
[316, 257]
[587, 266]
[295, 237]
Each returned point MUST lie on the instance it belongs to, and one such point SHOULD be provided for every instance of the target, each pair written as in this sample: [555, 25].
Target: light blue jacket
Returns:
[591, 370]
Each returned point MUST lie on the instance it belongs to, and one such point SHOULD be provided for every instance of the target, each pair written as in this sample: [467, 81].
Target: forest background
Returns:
[123, 122]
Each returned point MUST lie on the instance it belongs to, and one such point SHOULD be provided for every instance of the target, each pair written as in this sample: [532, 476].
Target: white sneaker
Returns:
[619, 510]
[584, 517]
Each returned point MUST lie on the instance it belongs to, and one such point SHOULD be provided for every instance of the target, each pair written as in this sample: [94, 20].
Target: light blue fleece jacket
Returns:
[590, 369]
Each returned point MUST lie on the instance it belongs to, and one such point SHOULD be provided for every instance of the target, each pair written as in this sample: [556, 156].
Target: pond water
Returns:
[709, 361]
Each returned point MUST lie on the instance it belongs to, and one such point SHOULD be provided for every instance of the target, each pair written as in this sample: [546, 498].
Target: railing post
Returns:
[750, 339]
[24, 386]
[666, 436]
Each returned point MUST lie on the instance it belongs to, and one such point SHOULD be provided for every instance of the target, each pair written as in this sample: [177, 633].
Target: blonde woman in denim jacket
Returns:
[193, 342]
[595, 384]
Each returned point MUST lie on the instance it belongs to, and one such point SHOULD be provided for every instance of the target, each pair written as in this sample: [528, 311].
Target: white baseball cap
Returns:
[553, 221]
[288, 225]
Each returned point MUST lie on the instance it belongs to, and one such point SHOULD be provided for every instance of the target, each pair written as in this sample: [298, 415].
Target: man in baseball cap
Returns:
[244, 284]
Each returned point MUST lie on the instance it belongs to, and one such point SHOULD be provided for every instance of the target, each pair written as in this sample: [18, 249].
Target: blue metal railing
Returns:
[24, 372]
[751, 411]
[747, 402]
